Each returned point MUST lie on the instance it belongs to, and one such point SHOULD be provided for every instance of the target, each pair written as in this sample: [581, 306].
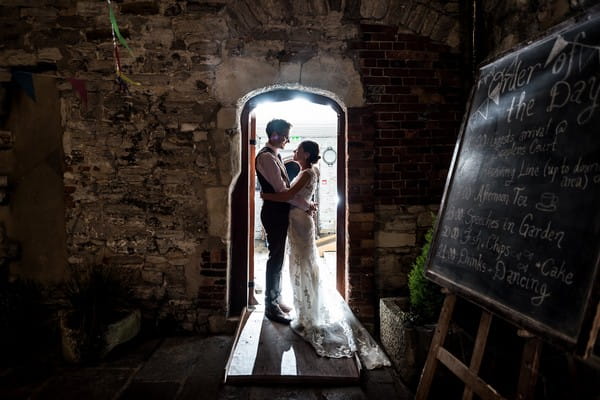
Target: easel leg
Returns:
[530, 364]
[437, 342]
[478, 349]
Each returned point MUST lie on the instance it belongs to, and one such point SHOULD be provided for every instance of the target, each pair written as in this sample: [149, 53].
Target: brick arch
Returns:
[250, 16]
[436, 20]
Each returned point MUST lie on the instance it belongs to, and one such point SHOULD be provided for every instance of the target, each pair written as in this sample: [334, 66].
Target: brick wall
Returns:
[399, 162]
[361, 216]
[414, 89]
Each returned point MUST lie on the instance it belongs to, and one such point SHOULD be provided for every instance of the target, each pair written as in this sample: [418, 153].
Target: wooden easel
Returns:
[469, 375]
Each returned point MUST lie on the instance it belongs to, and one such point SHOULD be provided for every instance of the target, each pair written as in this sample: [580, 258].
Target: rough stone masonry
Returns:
[144, 172]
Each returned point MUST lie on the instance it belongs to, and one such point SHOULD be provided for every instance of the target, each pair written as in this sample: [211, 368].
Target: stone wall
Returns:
[505, 24]
[148, 169]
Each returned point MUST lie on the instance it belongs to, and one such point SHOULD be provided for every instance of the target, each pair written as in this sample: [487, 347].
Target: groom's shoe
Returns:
[274, 313]
[285, 308]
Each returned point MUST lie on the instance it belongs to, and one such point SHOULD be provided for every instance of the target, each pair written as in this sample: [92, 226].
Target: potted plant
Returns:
[100, 314]
[407, 323]
[425, 296]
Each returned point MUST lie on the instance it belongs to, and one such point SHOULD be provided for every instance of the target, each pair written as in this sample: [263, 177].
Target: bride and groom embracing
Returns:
[323, 318]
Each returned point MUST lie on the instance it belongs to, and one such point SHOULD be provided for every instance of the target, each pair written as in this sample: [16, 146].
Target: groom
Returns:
[273, 178]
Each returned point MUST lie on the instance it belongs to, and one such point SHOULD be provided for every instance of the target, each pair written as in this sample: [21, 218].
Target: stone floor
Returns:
[188, 367]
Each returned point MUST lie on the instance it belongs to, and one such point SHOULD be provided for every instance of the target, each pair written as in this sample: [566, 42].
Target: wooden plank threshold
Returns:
[267, 352]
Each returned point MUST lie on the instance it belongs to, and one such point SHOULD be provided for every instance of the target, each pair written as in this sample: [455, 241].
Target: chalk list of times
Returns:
[521, 218]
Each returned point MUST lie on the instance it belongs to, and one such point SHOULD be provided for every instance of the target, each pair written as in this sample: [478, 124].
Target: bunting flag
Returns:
[123, 88]
[117, 58]
[122, 80]
[79, 88]
[128, 80]
[115, 28]
[25, 80]
[559, 44]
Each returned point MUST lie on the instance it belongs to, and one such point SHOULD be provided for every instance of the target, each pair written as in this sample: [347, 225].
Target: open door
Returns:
[263, 351]
[238, 250]
[251, 208]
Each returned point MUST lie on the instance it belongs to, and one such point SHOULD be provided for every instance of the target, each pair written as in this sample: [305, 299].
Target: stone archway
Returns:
[239, 234]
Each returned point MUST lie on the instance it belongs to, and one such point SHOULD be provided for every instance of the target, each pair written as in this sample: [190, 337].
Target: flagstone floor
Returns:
[179, 368]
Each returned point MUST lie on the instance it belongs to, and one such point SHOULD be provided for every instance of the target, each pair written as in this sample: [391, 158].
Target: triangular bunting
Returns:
[482, 110]
[79, 87]
[115, 27]
[495, 95]
[128, 80]
[25, 80]
[559, 45]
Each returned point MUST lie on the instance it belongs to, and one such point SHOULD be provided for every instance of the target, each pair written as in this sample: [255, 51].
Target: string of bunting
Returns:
[25, 79]
[122, 79]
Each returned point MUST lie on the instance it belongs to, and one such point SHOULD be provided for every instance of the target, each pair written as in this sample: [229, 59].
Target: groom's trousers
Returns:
[274, 217]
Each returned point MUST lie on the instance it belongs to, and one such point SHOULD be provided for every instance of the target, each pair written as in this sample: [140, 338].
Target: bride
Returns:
[322, 316]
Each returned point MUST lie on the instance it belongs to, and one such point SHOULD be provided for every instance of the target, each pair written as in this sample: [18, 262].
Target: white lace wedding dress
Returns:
[323, 318]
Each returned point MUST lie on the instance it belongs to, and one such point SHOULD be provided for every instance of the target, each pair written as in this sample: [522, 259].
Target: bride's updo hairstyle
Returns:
[313, 149]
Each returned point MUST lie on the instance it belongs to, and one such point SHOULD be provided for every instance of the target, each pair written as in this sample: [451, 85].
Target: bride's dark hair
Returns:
[311, 148]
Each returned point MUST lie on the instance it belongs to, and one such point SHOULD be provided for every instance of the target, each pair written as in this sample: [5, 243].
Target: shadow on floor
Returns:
[183, 367]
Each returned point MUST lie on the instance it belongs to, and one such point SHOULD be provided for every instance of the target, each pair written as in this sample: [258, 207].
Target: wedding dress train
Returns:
[323, 318]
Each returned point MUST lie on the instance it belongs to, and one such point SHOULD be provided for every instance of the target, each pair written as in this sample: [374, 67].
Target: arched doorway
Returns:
[242, 202]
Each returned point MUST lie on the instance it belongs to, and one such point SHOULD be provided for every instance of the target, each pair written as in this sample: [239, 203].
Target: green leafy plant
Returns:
[97, 297]
[425, 296]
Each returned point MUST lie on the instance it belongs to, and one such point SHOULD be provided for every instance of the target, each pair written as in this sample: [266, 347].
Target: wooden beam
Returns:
[530, 364]
[478, 385]
[478, 349]
[436, 343]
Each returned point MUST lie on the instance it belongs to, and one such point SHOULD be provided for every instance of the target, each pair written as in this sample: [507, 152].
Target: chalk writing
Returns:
[523, 280]
[518, 229]
[486, 195]
[563, 93]
[522, 108]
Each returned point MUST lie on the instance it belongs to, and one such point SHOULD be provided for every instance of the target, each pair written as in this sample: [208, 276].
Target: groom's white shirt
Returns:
[269, 166]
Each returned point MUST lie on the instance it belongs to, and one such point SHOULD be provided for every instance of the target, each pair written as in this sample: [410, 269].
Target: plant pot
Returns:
[122, 330]
[406, 344]
[75, 341]
[72, 339]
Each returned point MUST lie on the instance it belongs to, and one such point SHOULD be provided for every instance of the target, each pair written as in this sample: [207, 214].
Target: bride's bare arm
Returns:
[288, 194]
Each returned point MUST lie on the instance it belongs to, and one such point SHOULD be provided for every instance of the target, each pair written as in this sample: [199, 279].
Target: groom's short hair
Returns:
[277, 126]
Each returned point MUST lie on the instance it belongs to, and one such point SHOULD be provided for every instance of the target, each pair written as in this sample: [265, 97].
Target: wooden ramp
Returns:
[268, 352]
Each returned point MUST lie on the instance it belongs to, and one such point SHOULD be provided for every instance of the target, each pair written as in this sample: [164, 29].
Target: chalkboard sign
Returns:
[519, 226]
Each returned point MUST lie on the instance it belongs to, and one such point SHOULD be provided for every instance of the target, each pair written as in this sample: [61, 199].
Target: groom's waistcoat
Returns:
[266, 187]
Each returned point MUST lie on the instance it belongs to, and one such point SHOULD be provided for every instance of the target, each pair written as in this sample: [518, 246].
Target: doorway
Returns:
[310, 121]
[315, 117]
